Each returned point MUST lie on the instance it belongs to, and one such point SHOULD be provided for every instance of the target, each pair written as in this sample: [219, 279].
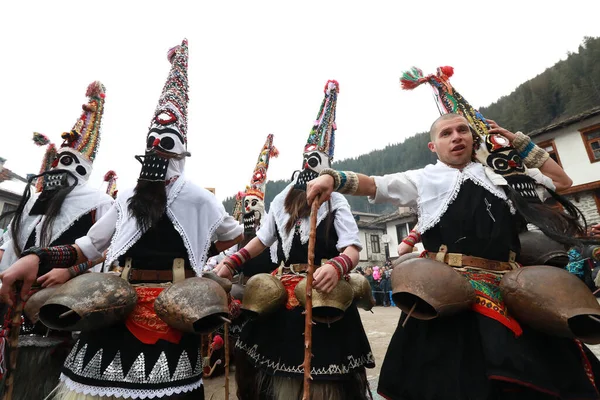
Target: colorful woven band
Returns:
[345, 182]
[533, 156]
[77, 270]
[53, 257]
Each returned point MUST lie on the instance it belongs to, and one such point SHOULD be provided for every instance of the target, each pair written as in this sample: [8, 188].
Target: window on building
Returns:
[6, 220]
[375, 248]
[591, 140]
[550, 147]
[401, 231]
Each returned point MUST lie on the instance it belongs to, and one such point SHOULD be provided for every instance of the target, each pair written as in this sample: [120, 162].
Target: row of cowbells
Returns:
[195, 305]
[546, 298]
[96, 300]
[265, 293]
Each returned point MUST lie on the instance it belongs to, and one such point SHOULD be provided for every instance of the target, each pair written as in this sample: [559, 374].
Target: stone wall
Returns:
[586, 203]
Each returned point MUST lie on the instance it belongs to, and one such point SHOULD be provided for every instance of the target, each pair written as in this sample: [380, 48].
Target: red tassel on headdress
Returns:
[445, 71]
[109, 175]
[412, 78]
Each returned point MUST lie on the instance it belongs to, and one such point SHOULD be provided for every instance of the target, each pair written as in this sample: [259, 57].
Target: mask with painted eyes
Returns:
[313, 163]
[254, 210]
[78, 166]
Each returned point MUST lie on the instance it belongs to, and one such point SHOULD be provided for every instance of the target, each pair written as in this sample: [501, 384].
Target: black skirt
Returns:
[470, 356]
[113, 360]
[275, 344]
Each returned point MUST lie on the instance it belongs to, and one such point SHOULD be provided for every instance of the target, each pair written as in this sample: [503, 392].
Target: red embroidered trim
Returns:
[290, 282]
[144, 324]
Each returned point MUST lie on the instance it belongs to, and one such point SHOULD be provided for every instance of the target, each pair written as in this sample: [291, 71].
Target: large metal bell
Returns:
[363, 295]
[36, 301]
[194, 305]
[327, 307]
[539, 249]
[263, 295]
[430, 289]
[553, 301]
[404, 257]
[225, 283]
[88, 302]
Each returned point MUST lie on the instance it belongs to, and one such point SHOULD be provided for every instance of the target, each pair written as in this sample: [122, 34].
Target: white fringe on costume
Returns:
[64, 393]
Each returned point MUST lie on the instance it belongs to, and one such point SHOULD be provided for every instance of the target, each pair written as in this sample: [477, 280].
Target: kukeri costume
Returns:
[144, 357]
[270, 349]
[473, 308]
[63, 209]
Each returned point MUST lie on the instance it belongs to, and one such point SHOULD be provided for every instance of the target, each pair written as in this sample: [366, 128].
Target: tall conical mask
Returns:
[80, 145]
[254, 198]
[320, 146]
[166, 141]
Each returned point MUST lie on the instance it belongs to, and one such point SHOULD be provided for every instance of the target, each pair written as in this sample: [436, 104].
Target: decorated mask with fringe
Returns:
[166, 141]
[254, 198]
[501, 159]
[80, 145]
[320, 146]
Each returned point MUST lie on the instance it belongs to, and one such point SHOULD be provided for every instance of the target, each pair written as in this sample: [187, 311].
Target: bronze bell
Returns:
[237, 291]
[263, 294]
[553, 301]
[194, 305]
[432, 287]
[362, 291]
[539, 249]
[36, 301]
[327, 307]
[404, 257]
[88, 302]
[225, 283]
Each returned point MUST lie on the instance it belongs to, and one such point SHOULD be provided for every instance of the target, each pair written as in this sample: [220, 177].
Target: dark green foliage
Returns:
[568, 88]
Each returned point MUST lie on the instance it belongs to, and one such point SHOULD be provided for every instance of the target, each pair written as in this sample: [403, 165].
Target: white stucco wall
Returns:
[572, 152]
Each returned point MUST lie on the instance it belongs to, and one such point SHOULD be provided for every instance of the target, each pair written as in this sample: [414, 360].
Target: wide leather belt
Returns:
[155, 275]
[461, 260]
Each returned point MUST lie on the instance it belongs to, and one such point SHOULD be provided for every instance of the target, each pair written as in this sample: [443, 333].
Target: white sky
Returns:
[259, 67]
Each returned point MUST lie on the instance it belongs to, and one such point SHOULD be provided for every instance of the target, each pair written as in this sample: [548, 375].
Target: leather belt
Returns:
[296, 268]
[155, 275]
[461, 260]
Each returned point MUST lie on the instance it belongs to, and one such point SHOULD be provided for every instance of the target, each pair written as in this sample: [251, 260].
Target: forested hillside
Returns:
[568, 88]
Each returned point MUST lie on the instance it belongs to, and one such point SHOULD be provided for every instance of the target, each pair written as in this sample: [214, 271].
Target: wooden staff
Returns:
[226, 361]
[308, 308]
[13, 344]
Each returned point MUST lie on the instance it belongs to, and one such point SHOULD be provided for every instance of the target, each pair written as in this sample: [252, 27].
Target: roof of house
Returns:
[379, 222]
[10, 181]
[567, 121]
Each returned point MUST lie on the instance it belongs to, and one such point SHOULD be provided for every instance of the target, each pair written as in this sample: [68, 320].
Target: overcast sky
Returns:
[259, 67]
